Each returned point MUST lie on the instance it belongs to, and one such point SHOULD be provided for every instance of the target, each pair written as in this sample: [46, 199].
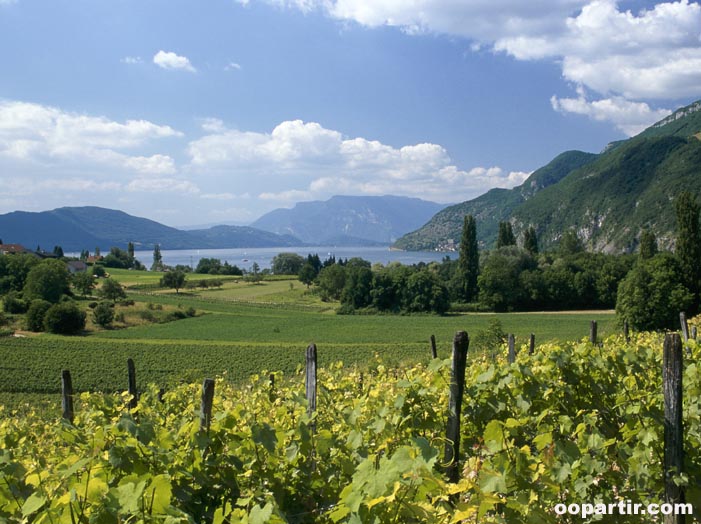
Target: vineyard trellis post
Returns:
[434, 353]
[67, 396]
[684, 326]
[673, 423]
[512, 349]
[206, 404]
[693, 332]
[531, 344]
[461, 342]
[592, 331]
[131, 369]
[626, 330]
[310, 382]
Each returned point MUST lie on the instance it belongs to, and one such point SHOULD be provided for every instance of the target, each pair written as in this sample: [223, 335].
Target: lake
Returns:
[245, 257]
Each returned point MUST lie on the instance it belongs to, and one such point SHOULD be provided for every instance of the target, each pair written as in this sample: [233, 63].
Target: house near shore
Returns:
[15, 249]
[76, 266]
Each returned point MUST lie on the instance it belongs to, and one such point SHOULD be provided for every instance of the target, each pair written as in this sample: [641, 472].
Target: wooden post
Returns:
[531, 344]
[434, 353]
[511, 357]
[592, 331]
[310, 382]
[626, 330]
[693, 332]
[673, 428]
[461, 343]
[67, 395]
[132, 384]
[684, 325]
[206, 404]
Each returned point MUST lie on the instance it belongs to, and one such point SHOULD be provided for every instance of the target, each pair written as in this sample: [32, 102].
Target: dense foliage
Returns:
[214, 266]
[573, 422]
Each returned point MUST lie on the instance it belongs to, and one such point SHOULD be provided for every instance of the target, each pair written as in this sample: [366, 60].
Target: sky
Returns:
[199, 112]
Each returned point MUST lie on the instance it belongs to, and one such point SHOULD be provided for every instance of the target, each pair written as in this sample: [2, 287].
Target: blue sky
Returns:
[200, 112]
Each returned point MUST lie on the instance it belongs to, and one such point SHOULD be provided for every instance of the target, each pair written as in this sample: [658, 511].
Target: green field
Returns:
[244, 328]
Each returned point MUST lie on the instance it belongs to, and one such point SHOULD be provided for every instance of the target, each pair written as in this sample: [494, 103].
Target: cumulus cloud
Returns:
[651, 54]
[308, 161]
[160, 185]
[630, 117]
[44, 134]
[170, 60]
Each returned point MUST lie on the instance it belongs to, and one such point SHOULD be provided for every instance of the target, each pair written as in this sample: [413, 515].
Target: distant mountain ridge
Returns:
[78, 228]
[608, 198]
[350, 219]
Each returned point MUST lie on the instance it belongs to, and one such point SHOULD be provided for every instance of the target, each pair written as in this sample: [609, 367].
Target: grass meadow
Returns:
[243, 329]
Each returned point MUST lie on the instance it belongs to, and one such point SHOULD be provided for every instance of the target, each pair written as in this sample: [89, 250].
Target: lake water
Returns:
[245, 257]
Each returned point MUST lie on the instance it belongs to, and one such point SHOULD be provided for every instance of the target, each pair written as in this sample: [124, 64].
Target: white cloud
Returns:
[48, 135]
[651, 54]
[159, 185]
[170, 60]
[630, 117]
[131, 60]
[306, 161]
[232, 66]
[156, 164]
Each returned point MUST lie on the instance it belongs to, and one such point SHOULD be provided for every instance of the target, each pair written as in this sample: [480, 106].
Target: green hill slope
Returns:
[607, 198]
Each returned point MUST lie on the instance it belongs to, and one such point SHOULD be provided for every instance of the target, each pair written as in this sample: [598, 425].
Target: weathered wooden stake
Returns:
[673, 426]
[592, 331]
[132, 384]
[684, 325]
[626, 330]
[67, 395]
[206, 404]
[531, 344]
[693, 332]
[434, 353]
[461, 343]
[310, 382]
[511, 357]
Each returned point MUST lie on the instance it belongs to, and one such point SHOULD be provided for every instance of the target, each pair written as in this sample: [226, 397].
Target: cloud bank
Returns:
[621, 56]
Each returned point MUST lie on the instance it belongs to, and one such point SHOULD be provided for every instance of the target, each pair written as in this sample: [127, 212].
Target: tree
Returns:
[356, 290]
[254, 275]
[157, 259]
[425, 292]
[648, 244]
[36, 313]
[287, 263]
[468, 261]
[530, 241]
[688, 247]
[499, 281]
[653, 293]
[174, 280]
[48, 280]
[64, 318]
[570, 243]
[112, 290]
[130, 250]
[103, 314]
[506, 235]
[84, 283]
[58, 251]
[332, 280]
[307, 274]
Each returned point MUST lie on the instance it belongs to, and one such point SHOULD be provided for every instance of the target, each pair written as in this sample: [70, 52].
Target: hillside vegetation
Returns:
[607, 198]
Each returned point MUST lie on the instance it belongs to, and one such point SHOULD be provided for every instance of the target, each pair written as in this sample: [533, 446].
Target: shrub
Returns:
[103, 314]
[64, 318]
[36, 313]
[12, 303]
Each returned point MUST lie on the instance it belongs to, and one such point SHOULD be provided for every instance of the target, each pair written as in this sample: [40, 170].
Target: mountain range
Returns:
[78, 228]
[607, 198]
[350, 220]
[356, 221]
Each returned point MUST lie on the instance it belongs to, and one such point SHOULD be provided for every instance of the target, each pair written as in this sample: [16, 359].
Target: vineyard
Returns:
[572, 423]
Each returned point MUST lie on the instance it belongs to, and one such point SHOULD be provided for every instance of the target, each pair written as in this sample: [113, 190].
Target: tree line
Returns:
[648, 289]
